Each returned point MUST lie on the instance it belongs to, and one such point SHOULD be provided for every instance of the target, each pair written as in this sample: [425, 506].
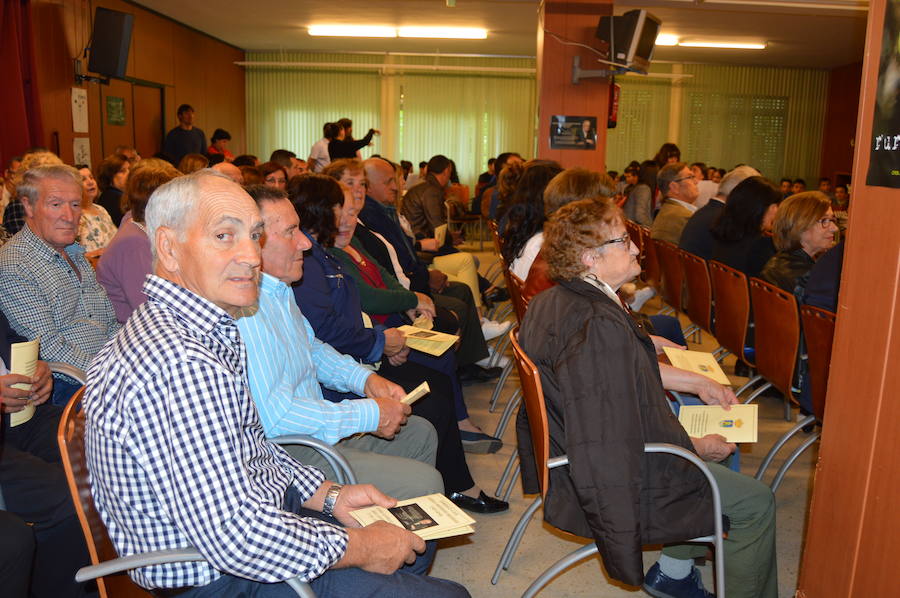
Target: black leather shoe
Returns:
[482, 504]
[495, 295]
[472, 374]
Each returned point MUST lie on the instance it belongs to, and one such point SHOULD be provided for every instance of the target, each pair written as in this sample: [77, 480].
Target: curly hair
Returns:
[314, 197]
[526, 214]
[573, 229]
[796, 214]
[141, 185]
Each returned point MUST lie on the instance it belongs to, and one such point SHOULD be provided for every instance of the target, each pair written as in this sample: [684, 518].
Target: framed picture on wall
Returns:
[115, 111]
[573, 132]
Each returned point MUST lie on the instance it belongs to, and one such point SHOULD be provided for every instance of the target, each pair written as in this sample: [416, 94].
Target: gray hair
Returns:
[172, 204]
[29, 187]
[734, 178]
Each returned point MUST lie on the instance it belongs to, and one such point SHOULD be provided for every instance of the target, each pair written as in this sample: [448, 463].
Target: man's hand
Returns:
[659, 342]
[357, 496]
[713, 447]
[14, 399]
[394, 341]
[380, 548]
[425, 305]
[713, 393]
[392, 414]
[430, 245]
[398, 359]
[437, 280]
[457, 236]
[376, 386]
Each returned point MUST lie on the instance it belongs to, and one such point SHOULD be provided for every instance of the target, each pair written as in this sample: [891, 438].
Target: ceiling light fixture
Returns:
[724, 45]
[443, 32]
[352, 31]
[666, 39]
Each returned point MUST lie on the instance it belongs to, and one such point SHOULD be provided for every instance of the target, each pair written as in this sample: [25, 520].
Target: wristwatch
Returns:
[330, 498]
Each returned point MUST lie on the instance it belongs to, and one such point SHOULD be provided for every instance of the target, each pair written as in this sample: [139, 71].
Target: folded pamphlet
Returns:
[23, 359]
[430, 517]
[699, 362]
[738, 424]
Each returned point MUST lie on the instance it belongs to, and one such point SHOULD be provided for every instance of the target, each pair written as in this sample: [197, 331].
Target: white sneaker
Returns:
[641, 297]
[491, 360]
[491, 329]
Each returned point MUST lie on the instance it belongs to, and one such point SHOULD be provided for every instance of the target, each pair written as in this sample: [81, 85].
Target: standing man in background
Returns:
[185, 138]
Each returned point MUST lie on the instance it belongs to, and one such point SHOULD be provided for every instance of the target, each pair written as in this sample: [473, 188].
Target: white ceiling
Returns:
[803, 33]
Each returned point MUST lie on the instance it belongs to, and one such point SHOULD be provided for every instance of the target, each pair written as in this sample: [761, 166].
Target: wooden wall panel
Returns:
[839, 132]
[193, 67]
[854, 530]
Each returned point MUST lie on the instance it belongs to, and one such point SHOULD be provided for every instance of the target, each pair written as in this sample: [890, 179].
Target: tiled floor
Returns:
[471, 559]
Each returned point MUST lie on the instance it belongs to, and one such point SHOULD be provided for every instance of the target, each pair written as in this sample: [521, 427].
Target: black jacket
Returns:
[605, 400]
[788, 270]
[696, 237]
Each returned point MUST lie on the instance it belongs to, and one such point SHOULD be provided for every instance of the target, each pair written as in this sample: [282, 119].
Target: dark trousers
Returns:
[437, 407]
[16, 555]
[34, 488]
[457, 297]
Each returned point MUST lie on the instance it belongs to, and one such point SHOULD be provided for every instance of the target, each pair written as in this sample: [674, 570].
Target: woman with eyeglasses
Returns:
[804, 228]
[274, 175]
[605, 398]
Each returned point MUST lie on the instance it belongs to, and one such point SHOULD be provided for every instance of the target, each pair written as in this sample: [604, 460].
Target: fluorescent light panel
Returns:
[666, 39]
[724, 45]
[384, 31]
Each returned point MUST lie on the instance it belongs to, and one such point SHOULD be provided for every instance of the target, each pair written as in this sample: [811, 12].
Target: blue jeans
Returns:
[63, 389]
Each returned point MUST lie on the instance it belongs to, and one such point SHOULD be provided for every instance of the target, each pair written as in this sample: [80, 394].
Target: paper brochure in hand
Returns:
[430, 517]
[415, 394]
[738, 424]
[23, 359]
[428, 341]
[699, 362]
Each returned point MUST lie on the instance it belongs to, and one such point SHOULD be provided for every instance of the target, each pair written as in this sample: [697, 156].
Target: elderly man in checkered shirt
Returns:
[176, 453]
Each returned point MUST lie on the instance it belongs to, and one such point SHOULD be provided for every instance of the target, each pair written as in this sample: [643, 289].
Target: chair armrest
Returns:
[71, 371]
[338, 463]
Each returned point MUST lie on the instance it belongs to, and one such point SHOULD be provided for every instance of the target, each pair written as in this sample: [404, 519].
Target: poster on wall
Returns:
[79, 110]
[573, 132]
[115, 111]
[81, 149]
[884, 163]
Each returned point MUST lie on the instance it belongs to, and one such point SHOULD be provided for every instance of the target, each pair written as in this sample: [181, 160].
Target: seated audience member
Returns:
[192, 163]
[715, 174]
[841, 201]
[14, 214]
[379, 214]
[125, 264]
[639, 203]
[246, 160]
[231, 171]
[524, 219]
[696, 236]
[668, 154]
[251, 175]
[604, 402]
[8, 190]
[740, 234]
[286, 364]
[414, 178]
[330, 300]
[423, 204]
[493, 197]
[288, 160]
[785, 187]
[804, 228]
[706, 189]
[33, 485]
[96, 228]
[344, 146]
[824, 280]
[274, 175]
[318, 153]
[215, 159]
[196, 466]
[129, 152]
[825, 187]
[679, 190]
[112, 174]
[798, 186]
[47, 287]
[219, 144]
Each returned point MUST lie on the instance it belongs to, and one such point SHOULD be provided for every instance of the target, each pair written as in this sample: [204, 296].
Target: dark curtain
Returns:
[20, 124]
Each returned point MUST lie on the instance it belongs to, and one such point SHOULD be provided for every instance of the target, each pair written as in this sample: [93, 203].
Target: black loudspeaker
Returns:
[110, 42]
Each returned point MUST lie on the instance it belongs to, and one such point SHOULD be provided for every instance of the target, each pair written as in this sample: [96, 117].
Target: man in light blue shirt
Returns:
[286, 363]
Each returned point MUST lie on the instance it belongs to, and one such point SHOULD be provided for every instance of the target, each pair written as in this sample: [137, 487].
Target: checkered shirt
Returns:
[177, 456]
[42, 297]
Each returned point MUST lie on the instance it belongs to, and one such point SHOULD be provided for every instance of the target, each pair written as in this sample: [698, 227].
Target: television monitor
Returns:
[110, 42]
[631, 38]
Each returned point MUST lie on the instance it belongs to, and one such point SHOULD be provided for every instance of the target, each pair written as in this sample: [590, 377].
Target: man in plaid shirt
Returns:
[175, 449]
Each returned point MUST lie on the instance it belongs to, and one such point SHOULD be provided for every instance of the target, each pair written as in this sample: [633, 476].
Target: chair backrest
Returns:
[634, 231]
[650, 271]
[533, 395]
[732, 300]
[495, 235]
[777, 333]
[70, 436]
[818, 331]
[699, 290]
[514, 285]
[672, 273]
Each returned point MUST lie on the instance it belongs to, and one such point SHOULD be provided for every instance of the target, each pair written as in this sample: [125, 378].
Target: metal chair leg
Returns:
[498, 388]
[725, 353]
[512, 482]
[758, 392]
[747, 385]
[779, 477]
[508, 412]
[558, 567]
[507, 471]
[515, 538]
[770, 456]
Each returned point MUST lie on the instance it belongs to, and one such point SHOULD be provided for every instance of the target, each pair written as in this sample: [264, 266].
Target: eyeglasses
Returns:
[684, 178]
[824, 222]
[624, 240]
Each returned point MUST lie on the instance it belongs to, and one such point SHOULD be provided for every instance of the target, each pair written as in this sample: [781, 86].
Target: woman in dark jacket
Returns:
[804, 228]
[604, 396]
[739, 234]
[111, 175]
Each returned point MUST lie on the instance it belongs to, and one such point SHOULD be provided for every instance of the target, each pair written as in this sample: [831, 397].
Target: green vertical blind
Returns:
[643, 121]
